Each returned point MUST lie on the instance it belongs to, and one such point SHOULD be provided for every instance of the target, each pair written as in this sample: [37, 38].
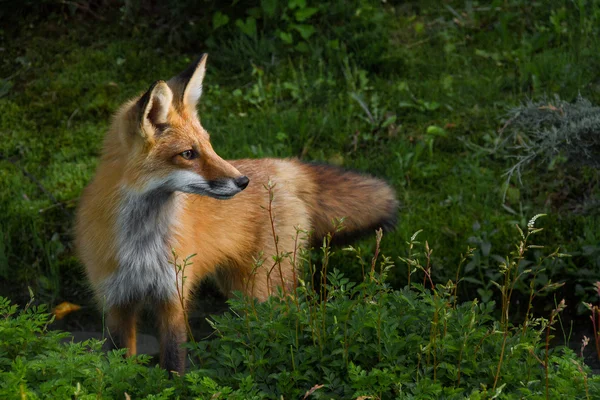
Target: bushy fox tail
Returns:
[366, 203]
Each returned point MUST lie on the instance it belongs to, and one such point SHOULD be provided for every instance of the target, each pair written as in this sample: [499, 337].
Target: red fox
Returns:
[161, 186]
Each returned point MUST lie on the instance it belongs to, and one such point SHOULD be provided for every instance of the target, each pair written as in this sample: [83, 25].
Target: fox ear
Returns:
[154, 107]
[188, 84]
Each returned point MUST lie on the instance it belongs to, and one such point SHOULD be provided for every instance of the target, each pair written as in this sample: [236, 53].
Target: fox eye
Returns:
[189, 154]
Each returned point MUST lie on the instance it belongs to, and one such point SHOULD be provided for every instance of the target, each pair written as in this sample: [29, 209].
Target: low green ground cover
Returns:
[344, 340]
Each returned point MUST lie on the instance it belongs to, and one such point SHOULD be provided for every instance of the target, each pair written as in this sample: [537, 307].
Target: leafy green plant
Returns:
[36, 362]
[366, 339]
[289, 21]
[329, 338]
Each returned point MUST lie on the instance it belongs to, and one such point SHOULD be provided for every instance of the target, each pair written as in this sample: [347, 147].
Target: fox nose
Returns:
[242, 182]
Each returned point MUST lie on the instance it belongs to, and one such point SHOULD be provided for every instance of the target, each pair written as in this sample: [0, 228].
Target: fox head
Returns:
[166, 148]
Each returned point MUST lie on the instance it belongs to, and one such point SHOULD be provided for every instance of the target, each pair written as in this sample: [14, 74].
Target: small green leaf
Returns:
[388, 121]
[305, 13]
[406, 104]
[513, 195]
[268, 7]
[296, 4]
[431, 105]
[219, 20]
[248, 27]
[436, 130]
[482, 53]
[281, 136]
[333, 44]
[286, 37]
[306, 31]
[302, 47]
[520, 231]
[419, 27]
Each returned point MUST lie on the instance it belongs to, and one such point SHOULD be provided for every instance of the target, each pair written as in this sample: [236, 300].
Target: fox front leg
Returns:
[122, 328]
[173, 334]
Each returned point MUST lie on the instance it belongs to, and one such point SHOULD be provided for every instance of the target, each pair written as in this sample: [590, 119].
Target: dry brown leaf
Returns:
[312, 390]
[65, 308]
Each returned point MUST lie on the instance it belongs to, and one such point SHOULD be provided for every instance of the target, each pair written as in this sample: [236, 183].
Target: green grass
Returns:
[437, 79]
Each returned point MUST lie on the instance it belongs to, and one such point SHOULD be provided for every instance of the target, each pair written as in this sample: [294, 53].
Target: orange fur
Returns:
[144, 145]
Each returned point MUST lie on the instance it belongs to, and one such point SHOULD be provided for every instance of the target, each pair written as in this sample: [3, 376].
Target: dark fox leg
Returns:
[173, 334]
[122, 330]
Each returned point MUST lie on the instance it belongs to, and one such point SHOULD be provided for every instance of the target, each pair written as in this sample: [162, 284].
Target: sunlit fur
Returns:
[146, 200]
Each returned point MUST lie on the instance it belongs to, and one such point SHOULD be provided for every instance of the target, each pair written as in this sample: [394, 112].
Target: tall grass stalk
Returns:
[180, 279]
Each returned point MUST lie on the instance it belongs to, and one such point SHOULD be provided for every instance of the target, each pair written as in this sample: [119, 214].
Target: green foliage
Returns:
[39, 363]
[343, 341]
[289, 21]
[366, 340]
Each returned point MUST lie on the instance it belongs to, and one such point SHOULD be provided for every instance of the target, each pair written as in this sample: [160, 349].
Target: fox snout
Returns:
[242, 182]
[193, 183]
[222, 188]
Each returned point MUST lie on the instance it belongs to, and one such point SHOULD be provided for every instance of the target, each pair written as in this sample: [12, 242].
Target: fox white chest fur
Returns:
[144, 240]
